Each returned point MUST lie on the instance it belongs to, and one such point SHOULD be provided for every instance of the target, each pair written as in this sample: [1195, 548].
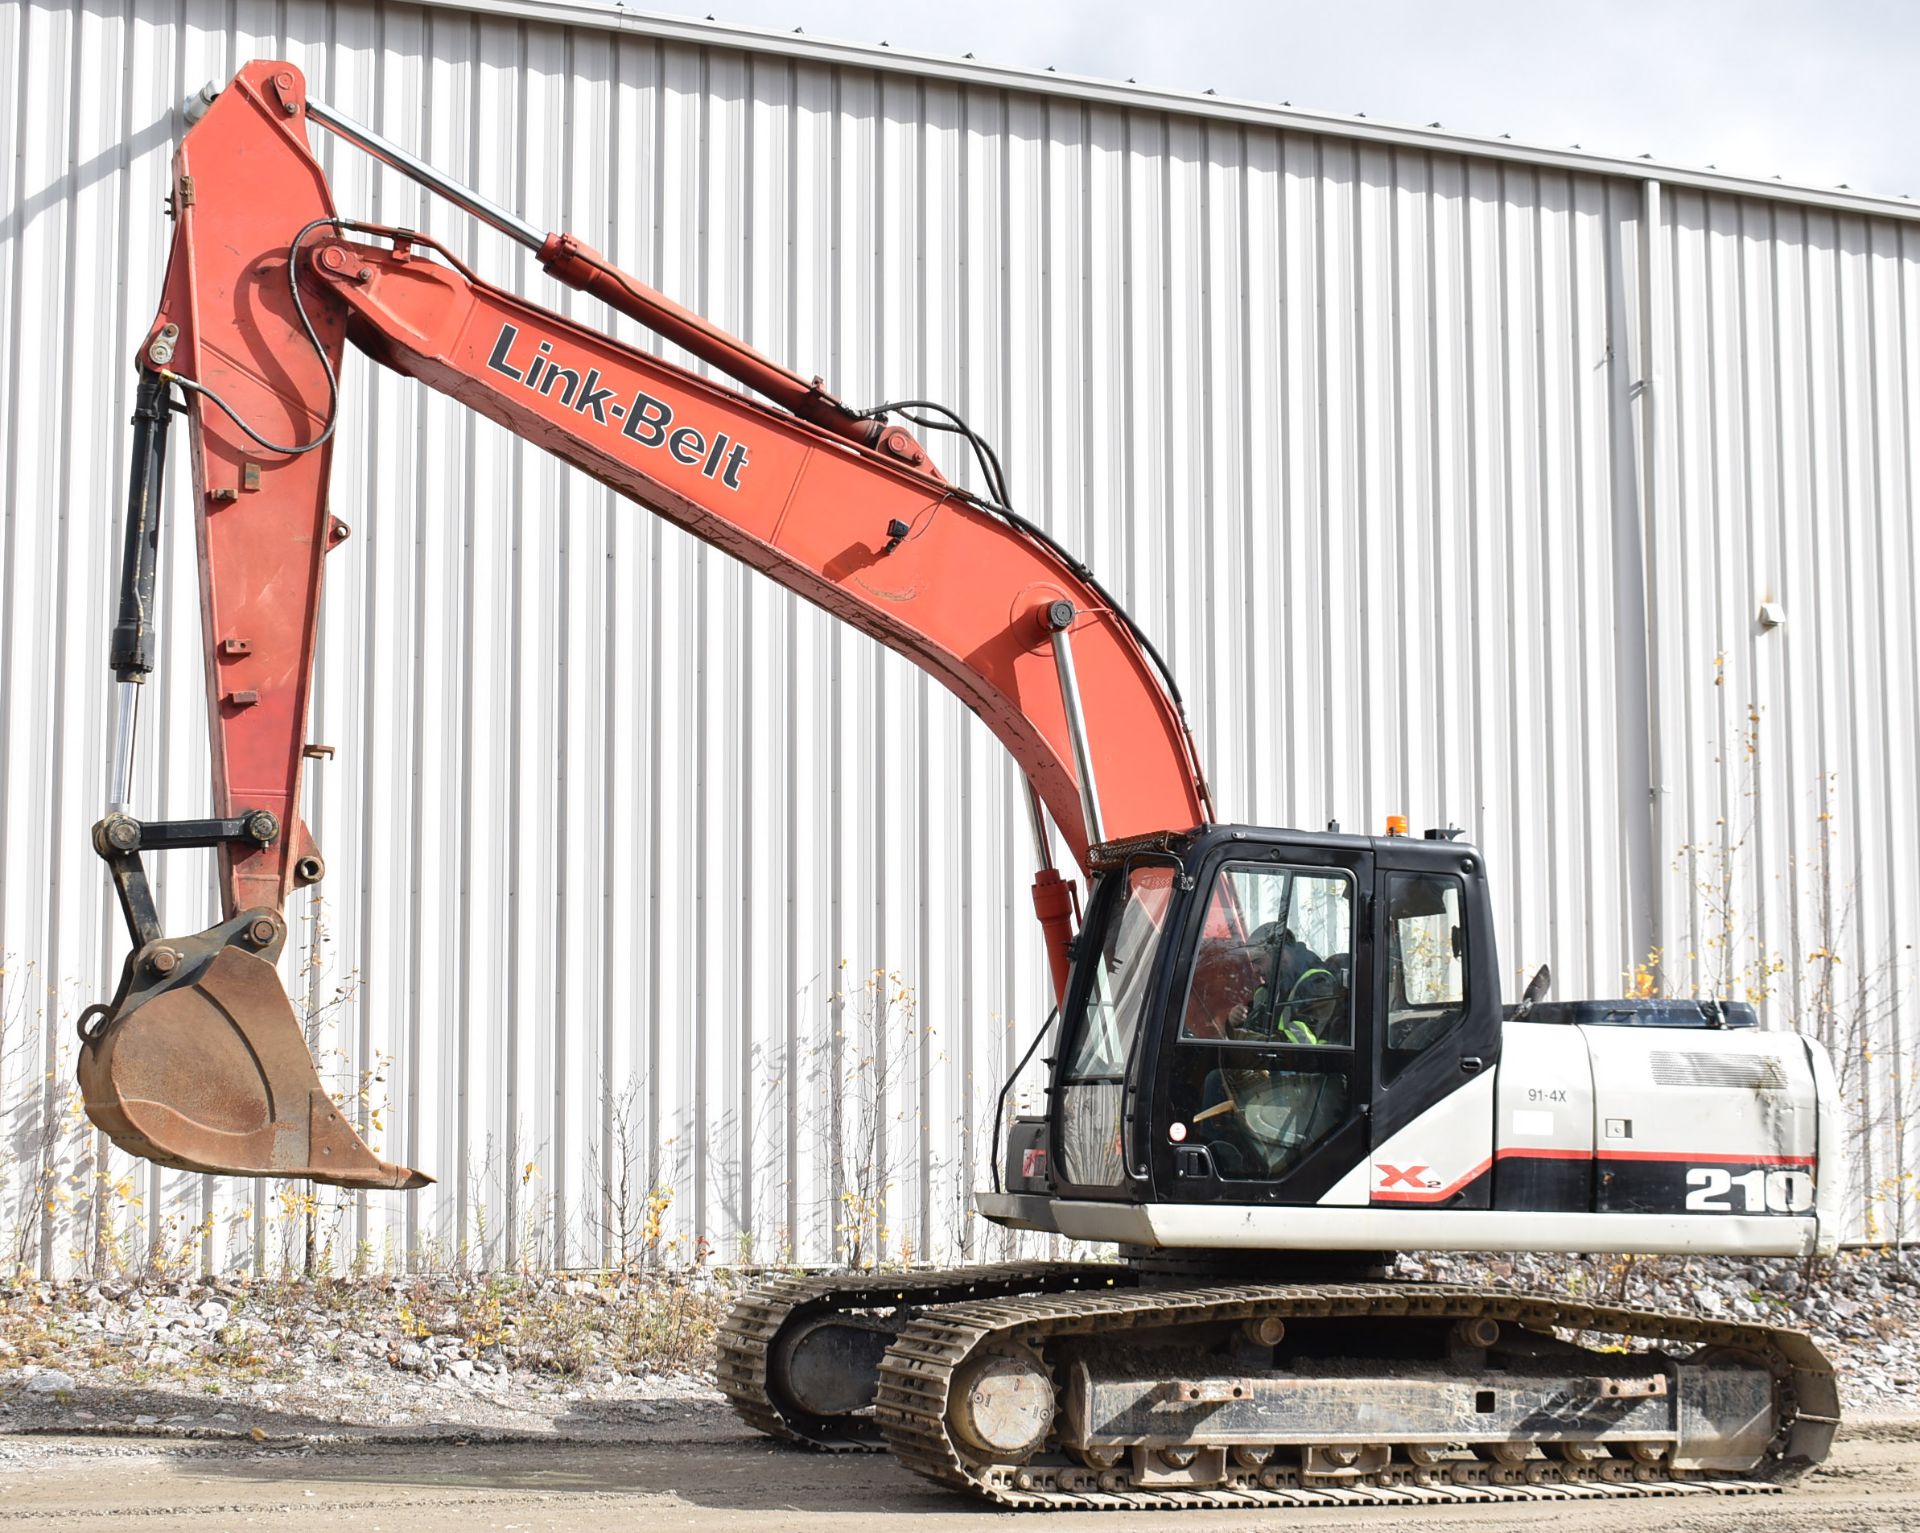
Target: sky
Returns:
[1820, 94]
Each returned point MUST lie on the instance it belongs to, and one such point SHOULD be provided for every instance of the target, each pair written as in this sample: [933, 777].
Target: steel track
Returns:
[918, 1372]
[748, 1332]
[952, 1314]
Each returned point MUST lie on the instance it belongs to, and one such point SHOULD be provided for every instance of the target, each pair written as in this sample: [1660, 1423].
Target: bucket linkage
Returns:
[199, 1061]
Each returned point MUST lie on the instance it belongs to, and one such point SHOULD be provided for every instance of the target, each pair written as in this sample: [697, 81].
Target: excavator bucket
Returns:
[200, 1063]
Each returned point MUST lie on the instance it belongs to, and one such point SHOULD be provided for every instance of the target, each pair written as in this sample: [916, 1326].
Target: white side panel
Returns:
[1545, 1102]
[1830, 1206]
[1702, 1095]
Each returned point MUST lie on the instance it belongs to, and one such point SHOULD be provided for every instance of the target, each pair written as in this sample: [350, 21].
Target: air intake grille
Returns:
[1751, 1072]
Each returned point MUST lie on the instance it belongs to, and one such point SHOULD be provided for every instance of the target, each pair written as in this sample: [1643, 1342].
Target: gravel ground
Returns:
[588, 1358]
[731, 1481]
[556, 1356]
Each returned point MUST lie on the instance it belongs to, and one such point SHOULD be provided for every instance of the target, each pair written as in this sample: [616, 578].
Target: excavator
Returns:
[1276, 1058]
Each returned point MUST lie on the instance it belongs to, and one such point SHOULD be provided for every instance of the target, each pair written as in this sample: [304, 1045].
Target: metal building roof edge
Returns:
[717, 34]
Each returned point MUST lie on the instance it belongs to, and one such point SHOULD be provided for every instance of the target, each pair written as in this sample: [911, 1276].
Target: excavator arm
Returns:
[198, 1061]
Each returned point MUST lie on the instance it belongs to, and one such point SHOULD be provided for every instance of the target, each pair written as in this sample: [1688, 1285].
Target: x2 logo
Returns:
[1413, 1178]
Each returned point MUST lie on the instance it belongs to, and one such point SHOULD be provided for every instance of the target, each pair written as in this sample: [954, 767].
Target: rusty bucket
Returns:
[200, 1063]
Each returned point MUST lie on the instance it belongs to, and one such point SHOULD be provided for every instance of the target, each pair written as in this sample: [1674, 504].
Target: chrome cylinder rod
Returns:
[1042, 838]
[125, 725]
[1076, 720]
[419, 170]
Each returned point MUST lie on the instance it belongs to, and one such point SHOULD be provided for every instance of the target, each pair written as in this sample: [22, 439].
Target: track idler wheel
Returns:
[1003, 1404]
[200, 1063]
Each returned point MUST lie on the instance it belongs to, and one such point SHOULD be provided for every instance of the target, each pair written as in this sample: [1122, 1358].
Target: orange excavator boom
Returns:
[198, 1061]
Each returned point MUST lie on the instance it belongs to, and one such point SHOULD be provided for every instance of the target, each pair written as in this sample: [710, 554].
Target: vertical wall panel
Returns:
[667, 917]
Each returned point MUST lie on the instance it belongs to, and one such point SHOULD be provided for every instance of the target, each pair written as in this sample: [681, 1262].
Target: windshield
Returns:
[1123, 967]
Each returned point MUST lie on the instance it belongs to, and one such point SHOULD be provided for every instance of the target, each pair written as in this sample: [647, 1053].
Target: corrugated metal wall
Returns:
[664, 915]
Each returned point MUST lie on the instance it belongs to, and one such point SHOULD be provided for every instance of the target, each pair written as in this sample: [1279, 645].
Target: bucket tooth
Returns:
[211, 1073]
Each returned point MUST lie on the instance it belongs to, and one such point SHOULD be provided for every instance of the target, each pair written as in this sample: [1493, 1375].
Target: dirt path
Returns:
[701, 1471]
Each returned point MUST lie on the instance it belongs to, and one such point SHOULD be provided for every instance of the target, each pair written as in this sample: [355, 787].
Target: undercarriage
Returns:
[1105, 1386]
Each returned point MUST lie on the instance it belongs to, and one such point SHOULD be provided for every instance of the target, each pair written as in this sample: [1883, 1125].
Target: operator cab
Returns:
[1252, 1011]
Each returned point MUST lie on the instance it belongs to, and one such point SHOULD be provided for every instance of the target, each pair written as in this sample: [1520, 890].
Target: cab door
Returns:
[1439, 1036]
[1266, 1051]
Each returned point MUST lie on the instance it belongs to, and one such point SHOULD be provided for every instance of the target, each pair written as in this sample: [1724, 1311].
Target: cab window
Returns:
[1426, 965]
[1274, 959]
[1122, 970]
[1093, 1098]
